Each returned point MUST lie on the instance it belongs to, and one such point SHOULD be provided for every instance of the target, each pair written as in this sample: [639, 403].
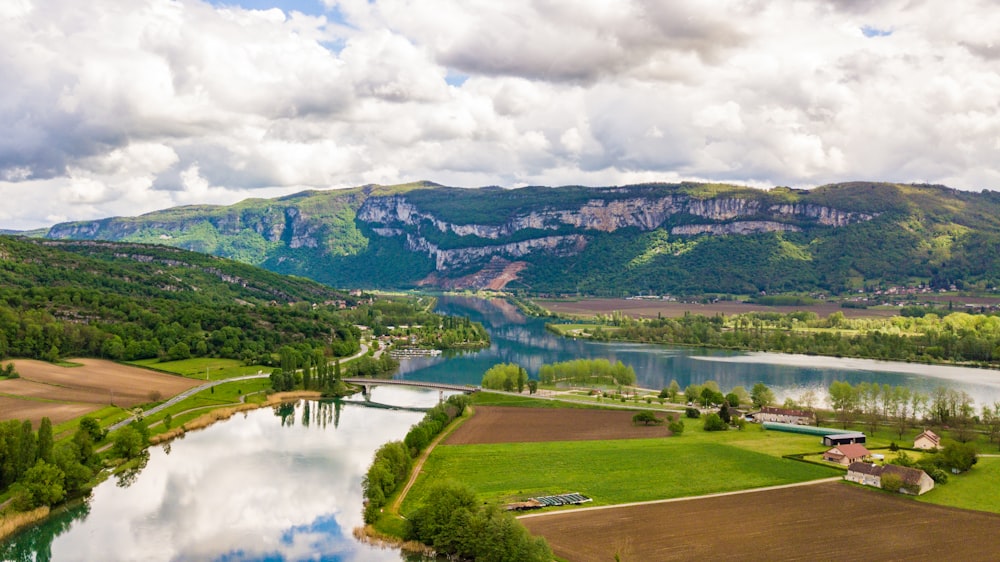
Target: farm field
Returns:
[654, 308]
[62, 393]
[493, 424]
[611, 471]
[35, 410]
[197, 367]
[831, 521]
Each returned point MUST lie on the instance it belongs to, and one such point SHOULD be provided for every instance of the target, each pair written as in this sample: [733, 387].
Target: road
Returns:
[195, 390]
[689, 498]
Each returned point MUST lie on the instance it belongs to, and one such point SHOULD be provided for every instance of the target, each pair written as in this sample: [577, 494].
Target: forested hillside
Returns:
[662, 238]
[131, 301]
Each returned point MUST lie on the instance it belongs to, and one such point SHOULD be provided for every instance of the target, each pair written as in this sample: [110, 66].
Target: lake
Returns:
[525, 341]
[273, 484]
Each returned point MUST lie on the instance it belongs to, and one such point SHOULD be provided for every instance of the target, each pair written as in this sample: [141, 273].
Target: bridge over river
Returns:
[365, 383]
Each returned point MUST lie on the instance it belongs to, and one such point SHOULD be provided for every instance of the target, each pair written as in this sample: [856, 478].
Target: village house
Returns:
[784, 415]
[847, 454]
[927, 440]
[914, 480]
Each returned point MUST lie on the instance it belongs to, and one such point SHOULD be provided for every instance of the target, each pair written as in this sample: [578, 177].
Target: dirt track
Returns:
[832, 521]
[496, 424]
[62, 393]
[651, 308]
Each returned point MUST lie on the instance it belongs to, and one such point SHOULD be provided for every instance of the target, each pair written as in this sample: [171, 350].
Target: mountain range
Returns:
[678, 238]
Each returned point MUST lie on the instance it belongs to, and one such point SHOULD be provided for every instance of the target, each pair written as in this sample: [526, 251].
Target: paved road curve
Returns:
[192, 391]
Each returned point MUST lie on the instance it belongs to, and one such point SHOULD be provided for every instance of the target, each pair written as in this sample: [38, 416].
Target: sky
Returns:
[121, 107]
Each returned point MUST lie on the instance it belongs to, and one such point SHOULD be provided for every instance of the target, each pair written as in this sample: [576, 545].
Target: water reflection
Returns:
[281, 484]
[522, 340]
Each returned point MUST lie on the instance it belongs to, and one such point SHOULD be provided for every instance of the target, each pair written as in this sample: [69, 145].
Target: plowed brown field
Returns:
[34, 410]
[832, 521]
[62, 393]
[497, 424]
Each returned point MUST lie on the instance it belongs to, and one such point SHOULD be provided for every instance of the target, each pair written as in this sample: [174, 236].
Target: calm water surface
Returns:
[274, 484]
[525, 341]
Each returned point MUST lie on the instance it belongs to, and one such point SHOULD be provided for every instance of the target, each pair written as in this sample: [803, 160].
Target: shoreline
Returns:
[12, 523]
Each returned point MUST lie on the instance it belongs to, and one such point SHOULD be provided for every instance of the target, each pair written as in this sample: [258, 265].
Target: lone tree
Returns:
[714, 423]
[646, 418]
[676, 427]
[761, 395]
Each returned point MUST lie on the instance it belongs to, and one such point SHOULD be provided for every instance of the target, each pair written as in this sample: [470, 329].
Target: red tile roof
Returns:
[853, 450]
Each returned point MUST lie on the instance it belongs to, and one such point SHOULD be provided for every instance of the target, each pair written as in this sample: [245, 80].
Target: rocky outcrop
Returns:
[739, 227]
[452, 258]
[396, 216]
[823, 215]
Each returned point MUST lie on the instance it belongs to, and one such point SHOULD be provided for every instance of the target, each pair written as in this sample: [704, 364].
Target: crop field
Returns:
[493, 424]
[831, 521]
[611, 471]
[654, 308]
[35, 410]
[61, 393]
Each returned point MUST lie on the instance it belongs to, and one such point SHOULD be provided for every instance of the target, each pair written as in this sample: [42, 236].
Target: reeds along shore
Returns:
[14, 522]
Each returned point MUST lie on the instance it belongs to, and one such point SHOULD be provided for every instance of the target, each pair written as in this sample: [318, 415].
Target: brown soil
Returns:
[652, 308]
[832, 521]
[90, 385]
[33, 410]
[497, 424]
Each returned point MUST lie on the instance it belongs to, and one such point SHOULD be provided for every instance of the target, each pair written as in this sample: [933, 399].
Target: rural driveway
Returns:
[671, 500]
[192, 391]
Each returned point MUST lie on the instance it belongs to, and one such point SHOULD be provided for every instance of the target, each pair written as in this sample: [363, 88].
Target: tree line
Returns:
[38, 471]
[958, 337]
[393, 460]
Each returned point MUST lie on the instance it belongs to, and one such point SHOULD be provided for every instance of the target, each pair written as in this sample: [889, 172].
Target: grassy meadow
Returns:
[977, 489]
[198, 367]
[621, 471]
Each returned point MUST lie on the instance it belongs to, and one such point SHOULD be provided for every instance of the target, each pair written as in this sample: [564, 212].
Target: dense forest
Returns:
[129, 301]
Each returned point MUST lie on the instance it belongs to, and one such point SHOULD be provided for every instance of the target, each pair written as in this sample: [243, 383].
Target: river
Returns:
[524, 340]
[273, 484]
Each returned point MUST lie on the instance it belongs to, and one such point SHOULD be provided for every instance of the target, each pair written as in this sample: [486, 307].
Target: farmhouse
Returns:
[843, 438]
[784, 415]
[915, 481]
[927, 440]
[847, 454]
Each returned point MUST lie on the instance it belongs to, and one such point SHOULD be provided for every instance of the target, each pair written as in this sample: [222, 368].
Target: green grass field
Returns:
[225, 395]
[976, 489]
[197, 367]
[582, 329]
[620, 471]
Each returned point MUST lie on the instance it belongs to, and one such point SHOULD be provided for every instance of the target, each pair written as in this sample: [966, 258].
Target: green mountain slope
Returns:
[677, 238]
[131, 301]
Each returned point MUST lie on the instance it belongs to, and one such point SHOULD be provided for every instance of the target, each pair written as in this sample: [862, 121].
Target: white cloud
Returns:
[108, 107]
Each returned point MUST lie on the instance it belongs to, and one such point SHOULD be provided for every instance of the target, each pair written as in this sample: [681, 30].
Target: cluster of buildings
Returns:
[847, 448]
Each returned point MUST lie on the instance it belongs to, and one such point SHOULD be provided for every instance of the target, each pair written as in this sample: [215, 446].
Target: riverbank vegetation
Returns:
[958, 337]
[451, 522]
[393, 460]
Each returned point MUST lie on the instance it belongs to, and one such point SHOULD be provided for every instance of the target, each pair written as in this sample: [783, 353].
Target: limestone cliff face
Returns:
[396, 216]
[737, 227]
[445, 260]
